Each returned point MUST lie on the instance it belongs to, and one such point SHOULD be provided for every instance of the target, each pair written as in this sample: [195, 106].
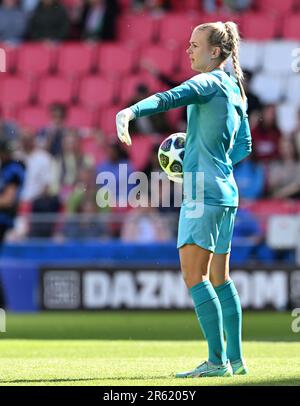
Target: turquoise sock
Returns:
[209, 314]
[232, 318]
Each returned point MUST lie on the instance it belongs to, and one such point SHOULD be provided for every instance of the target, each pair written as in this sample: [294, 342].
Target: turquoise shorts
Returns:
[212, 230]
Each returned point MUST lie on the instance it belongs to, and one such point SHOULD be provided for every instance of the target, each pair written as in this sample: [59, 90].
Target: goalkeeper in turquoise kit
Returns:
[218, 136]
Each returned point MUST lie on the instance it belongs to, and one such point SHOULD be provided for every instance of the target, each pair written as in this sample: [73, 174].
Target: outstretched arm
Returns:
[188, 92]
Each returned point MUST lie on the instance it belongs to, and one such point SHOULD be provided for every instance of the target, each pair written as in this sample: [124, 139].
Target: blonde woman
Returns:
[218, 136]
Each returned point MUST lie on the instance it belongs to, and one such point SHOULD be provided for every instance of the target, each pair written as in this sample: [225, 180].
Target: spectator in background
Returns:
[49, 22]
[85, 223]
[12, 174]
[266, 135]
[96, 19]
[68, 164]
[117, 155]
[29, 5]
[39, 164]
[284, 173]
[250, 176]
[254, 104]
[51, 137]
[13, 21]
[156, 124]
[8, 129]
[237, 6]
[155, 7]
[145, 225]
[44, 211]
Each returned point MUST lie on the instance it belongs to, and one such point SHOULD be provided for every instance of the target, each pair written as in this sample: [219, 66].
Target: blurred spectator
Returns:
[29, 5]
[13, 21]
[68, 164]
[12, 173]
[84, 189]
[44, 208]
[237, 6]
[117, 155]
[155, 7]
[250, 177]
[157, 123]
[247, 226]
[49, 21]
[96, 19]
[254, 104]
[266, 135]
[39, 164]
[284, 173]
[145, 224]
[86, 222]
[51, 137]
[8, 129]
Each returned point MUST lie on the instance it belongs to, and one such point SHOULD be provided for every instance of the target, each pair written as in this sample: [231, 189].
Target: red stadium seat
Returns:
[55, 89]
[185, 6]
[15, 90]
[140, 29]
[291, 27]
[259, 26]
[36, 117]
[97, 91]
[107, 120]
[76, 58]
[80, 117]
[116, 58]
[35, 59]
[129, 84]
[163, 58]
[169, 24]
[275, 6]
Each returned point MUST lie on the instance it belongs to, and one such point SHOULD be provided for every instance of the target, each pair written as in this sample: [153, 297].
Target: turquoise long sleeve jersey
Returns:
[218, 133]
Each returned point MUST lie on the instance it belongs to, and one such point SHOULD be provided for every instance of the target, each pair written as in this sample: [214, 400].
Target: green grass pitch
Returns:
[138, 348]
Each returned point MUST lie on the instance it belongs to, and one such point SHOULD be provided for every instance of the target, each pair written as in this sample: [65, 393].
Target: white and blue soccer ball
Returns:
[171, 154]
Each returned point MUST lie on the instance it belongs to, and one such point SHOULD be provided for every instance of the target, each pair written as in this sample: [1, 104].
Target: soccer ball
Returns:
[170, 156]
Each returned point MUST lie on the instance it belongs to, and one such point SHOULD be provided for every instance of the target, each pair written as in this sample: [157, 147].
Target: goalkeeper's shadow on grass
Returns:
[111, 378]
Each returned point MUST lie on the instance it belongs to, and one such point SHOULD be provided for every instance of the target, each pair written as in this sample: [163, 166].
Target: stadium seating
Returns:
[55, 89]
[116, 58]
[269, 88]
[97, 91]
[251, 53]
[35, 59]
[129, 25]
[76, 59]
[32, 116]
[275, 6]
[259, 26]
[287, 117]
[163, 58]
[169, 27]
[80, 117]
[277, 56]
[291, 27]
[15, 90]
[129, 84]
[292, 90]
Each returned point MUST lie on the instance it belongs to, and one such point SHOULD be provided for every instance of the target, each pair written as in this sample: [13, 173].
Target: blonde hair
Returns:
[226, 36]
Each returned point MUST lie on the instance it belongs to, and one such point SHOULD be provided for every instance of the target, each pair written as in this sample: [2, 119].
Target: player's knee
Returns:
[193, 276]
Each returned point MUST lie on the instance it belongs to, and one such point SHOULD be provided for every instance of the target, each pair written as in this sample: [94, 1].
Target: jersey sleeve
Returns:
[243, 142]
[191, 91]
